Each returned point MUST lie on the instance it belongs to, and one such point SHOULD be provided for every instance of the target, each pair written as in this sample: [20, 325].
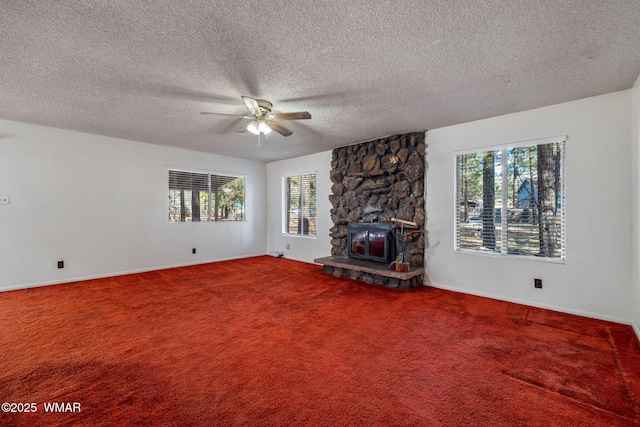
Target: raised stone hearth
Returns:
[373, 182]
[371, 272]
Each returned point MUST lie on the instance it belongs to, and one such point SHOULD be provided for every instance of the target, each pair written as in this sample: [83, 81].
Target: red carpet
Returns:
[274, 342]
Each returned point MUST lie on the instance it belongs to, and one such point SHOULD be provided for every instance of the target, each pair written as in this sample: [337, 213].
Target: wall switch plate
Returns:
[4, 200]
[537, 283]
[60, 264]
[193, 251]
[288, 246]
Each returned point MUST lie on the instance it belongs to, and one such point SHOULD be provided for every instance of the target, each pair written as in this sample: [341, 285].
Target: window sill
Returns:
[302, 236]
[511, 257]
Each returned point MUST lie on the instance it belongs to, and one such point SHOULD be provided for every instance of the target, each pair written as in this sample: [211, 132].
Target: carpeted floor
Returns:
[274, 342]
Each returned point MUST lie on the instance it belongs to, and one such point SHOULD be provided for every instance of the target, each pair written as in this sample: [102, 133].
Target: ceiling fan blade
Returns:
[279, 128]
[252, 105]
[225, 114]
[300, 115]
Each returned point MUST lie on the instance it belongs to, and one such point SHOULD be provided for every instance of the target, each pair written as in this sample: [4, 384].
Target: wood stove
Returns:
[371, 241]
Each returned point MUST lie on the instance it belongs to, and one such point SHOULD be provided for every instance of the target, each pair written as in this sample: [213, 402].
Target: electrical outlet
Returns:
[4, 200]
[193, 251]
[60, 264]
[537, 283]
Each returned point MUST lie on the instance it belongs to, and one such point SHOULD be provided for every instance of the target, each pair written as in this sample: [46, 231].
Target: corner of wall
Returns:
[636, 329]
[635, 200]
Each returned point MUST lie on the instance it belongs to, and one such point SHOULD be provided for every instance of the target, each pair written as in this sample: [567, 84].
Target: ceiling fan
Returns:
[263, 121]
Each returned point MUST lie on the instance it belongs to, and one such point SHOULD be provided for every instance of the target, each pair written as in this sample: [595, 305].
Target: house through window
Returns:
[205, 196]
[299, 204]
[510, 200]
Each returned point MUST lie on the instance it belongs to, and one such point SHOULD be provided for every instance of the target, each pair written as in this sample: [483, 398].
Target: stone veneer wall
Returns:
[378, 180]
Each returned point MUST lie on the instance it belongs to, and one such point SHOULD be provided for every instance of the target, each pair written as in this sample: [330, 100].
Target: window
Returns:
[510, 200]
[299, 205]
[203, 196]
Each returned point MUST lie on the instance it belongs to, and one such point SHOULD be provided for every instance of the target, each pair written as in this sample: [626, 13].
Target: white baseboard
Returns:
[120, 273]
[300, 260]
[537, 305]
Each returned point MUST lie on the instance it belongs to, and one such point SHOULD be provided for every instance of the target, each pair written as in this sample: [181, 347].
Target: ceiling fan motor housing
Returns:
[265, 106]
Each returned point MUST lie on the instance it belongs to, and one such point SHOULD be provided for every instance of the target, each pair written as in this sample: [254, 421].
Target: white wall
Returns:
[100, 204]
[301, 248]
[635, 197]
[595, 279]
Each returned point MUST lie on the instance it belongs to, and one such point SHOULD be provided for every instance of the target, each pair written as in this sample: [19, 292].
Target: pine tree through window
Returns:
[509, 200]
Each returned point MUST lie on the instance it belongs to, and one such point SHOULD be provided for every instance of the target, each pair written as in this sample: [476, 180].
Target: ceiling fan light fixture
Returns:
[264, 128]
[253, 128]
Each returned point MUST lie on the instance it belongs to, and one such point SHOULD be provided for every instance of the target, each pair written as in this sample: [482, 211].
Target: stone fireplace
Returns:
[375, 182]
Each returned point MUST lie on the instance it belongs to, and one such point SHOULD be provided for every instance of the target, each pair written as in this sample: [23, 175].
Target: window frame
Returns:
[210, 211]
[503, 253]
[285, 205]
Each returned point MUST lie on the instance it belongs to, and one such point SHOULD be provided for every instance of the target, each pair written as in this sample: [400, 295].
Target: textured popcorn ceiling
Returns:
[364, 69]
